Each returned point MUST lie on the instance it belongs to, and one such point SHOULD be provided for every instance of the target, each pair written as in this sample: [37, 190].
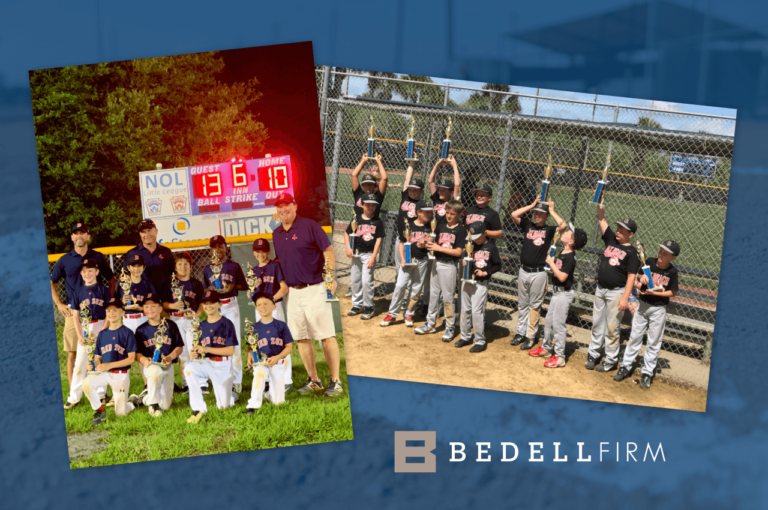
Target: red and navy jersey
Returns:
[485, 257]
[358, 193]
[417, 232]
[272, 337]
[192, 293]
[139, 292]
[616, 262]
[218, 334]
[159, 264]
[268, 278]
[69, 266]
[231, 272]
[368, 230]
[145, 339]
[536, 243]
[115, 344]
[94, 298]
[448, 237]
[666, 278]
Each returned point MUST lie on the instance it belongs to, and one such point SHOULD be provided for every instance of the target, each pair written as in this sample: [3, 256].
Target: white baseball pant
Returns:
[653, 318]
[231, 311]
[555, 329]
[220, 374]
[362, 281]
[443, 285]
[531, 289]
[275, 375]
[473, 299]
[159, 385]
[119, 382]
[132, 320]
[408, 279]
[606, 319]
[81, 368]
[279, 314]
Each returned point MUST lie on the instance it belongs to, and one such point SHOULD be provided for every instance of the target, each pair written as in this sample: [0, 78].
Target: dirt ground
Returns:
[395, 352]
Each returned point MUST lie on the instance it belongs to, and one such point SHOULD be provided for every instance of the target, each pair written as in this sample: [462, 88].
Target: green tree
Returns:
[490, 100]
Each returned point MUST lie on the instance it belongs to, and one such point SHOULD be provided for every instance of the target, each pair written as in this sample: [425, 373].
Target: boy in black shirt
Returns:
[445, 189]
[563, 291]
[651, 313]
[482, 212]
[369, 185]
[411, 194]
[474, 296]
[368, 237]
[532, 279]
[615, 278]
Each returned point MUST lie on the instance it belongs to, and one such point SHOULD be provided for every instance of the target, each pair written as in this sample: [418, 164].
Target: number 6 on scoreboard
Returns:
[239, 175]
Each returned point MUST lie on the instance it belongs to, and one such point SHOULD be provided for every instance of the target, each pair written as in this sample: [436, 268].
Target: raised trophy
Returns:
[250, 280]
[253, 340]
[89, 339]
[447, 141]
[411, 142]
[178, 294]
[157, 358]
[544, 197]
[328, 277]
[601, 184]
[216, 268]
[352, 237]
[125, 284]
[407, 245]
[552, 250]
[646, 268]
[433, 235]
[196, 334]
[371, 141]
[469, 275]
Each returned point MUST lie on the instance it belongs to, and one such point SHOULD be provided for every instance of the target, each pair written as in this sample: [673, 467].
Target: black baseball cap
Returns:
[476, 229]
[155, 298]
[446, 183]
[257, 295]
[79, 225]
[89, 263]
[368, 179]
[370, 198]
[542, 207]
[416, 183]
[629, 224]
[217, 239]
[284, 198]
[580, 237]
[136, 258]
[481, 186]
[210, 297]
[261, 245]
[114, 302]
[144, 224]
[422, 205]
[671, 246]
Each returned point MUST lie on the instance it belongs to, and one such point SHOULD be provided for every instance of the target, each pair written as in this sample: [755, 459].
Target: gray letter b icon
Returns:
[427, 462]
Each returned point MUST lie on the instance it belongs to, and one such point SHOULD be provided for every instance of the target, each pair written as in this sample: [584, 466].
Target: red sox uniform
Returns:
[272, 339]
[216, 368]
[112, 345]
[268, 278]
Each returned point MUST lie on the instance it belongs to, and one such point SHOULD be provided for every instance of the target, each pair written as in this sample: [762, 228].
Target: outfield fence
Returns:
[509, 149]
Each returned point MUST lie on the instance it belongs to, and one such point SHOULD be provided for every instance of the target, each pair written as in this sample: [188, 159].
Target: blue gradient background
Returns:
[713, 460]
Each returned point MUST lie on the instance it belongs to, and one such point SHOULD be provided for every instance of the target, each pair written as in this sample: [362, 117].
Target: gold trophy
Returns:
[253, 339]
[447, 141]
[371, 131]
[352, 237]
[328, 277]
[125, 284]
[544, 197]
[469, 275]
[407, 245]
[602, 184]
[646, 268]
[216, 268]
[157, 358]
[196, 334]
[89, 339]
[433, 236]
[251, 281]
[552, 250]
[411, 142]
[178, 294]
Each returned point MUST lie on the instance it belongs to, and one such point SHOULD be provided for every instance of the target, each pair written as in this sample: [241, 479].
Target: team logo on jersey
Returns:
[181, 226]
[179, 204]
[440, 209]
[615, 255]
[366, 232]
[559, 264]
[537, 236]
[474, 218]
[446, 240]
[410, 208]
[154, 205]
[481, 258]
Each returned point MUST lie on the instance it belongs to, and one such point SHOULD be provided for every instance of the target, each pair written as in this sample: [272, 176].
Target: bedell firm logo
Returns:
[413, 452]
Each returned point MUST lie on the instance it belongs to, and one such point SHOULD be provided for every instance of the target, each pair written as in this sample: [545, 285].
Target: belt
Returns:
[610, 288]
[218, 358]
[225, 301]
[134, 316]
[119, 371]
[94, 321]
[303, 285]
[529, 269]
[564, 288]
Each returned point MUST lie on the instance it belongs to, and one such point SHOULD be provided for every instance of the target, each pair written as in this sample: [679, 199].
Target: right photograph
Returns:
[526, 240]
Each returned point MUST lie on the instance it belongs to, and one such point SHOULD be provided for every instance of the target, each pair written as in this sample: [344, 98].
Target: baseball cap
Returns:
[476, 229]
[284, 198]
[136, 258]
[261, 245]
[422, 205]
[79, 225]
[370, 198]
[183, 255]
[483, 187]
[155, 298]
[368, 179]
[144, 224]
[416, 183]
[579, 237]
[542, 208]
[89, 263]
[114, 302]
[671, 246]
[217, 239]
[629, 224]
[257, 295]
[445, 183]
[210, 297]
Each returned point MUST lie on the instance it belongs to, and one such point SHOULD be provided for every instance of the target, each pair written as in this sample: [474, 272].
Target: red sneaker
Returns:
[554, 362]
[539, 351]
[387, 321]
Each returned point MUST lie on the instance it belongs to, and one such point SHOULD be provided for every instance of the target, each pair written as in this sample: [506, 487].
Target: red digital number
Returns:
[239, 175]
[208, 185]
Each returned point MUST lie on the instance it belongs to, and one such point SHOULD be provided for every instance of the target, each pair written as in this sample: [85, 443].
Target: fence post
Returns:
[536, 104]
[427, 151]
[577, 191]
[335, 165]
[324, 99]
[504, 158]
[447, 93]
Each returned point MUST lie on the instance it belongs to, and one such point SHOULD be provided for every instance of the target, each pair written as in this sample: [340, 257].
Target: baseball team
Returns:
[151, 317]
[431, 238]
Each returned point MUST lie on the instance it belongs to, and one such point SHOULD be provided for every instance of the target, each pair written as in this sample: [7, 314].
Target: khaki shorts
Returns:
[70, 332]
[309, 315]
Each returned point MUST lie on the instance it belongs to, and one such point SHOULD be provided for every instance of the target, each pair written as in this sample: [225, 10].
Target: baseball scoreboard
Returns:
[234, 198]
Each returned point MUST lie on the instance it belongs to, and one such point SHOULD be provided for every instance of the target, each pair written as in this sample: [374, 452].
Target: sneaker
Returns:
[448, 336]
[591, 362]
[206, 391]
[154, 410]
[288, 387]
[554, 362]
[539, 351]
[103, 400]
[354, 311]
[462, 343]
[334, 389]
[237, 388]
[604, 367]
[409, 321]
[178, 389]
[98, 418]
[310, 385]
[250, 412]
[478, 348]
[517, 339]
[69, 405]
[348, 293]
[622, 374]
[367, 314]
[426, 328]
[387, 321]
[134, 399]
[143, 395]
[527, 344]
[645, 381]
[196, 417]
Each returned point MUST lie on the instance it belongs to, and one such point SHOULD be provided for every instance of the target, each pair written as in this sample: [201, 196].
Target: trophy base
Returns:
[94, 372]
[469, 281]
[197, 360]
[332, 300]
[411, 159]
[412, 264]
[431, 257]
[161, 365]
[353, 256]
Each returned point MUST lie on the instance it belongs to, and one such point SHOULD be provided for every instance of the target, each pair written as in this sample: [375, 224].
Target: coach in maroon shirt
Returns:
[303, 249]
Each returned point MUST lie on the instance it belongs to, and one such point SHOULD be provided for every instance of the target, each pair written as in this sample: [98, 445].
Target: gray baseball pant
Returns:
[554, 325]
[653, 318]
[409, 278]
[606, 318]
[473, 299]
[531, 289]
[362, 281]
[443, 284]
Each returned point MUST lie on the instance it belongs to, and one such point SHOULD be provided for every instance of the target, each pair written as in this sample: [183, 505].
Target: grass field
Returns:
[140, 437]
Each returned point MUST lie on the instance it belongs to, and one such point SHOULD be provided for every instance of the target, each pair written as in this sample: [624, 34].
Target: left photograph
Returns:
[192, 271]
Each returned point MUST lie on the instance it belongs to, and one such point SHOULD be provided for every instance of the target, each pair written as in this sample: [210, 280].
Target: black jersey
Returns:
[616, 262]
[536, 243]
[666, 277]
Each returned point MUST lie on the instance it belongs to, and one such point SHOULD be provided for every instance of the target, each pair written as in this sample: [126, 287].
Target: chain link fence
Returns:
[504, 140]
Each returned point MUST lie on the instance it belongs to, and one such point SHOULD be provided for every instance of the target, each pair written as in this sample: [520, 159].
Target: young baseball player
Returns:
[231, 281]
[159, 378]
[114, 352]
[482, 211]
[651, 313]
[92, 296]
[532, 280]
[218, 343]
[563, 292]
[411, 194]
[447, 248]
[474, 296]
[411, 278]
[369, 185]
[444, 190]
[275, 344]
[615, 279]
[141, 288]
[369, 235]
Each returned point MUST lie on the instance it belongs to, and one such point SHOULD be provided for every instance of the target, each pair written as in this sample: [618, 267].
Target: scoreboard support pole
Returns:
[335, 164]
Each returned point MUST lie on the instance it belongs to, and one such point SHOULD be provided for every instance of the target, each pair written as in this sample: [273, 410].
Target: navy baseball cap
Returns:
[79, 225]
[422, 205]
[89, 263]
[145, 224]
[580, 237]
[483, 187]
[114, 302]
[671, 246]
[416, 183]
[183, 255]
[629, 224]
[261, 245]
[217, 240]
[476, 229]
[368, 179]
[210, 297]
[136, 258]
[370, 198]
[284, 198]
[446, 183]
[257, 295]
[155, 298]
